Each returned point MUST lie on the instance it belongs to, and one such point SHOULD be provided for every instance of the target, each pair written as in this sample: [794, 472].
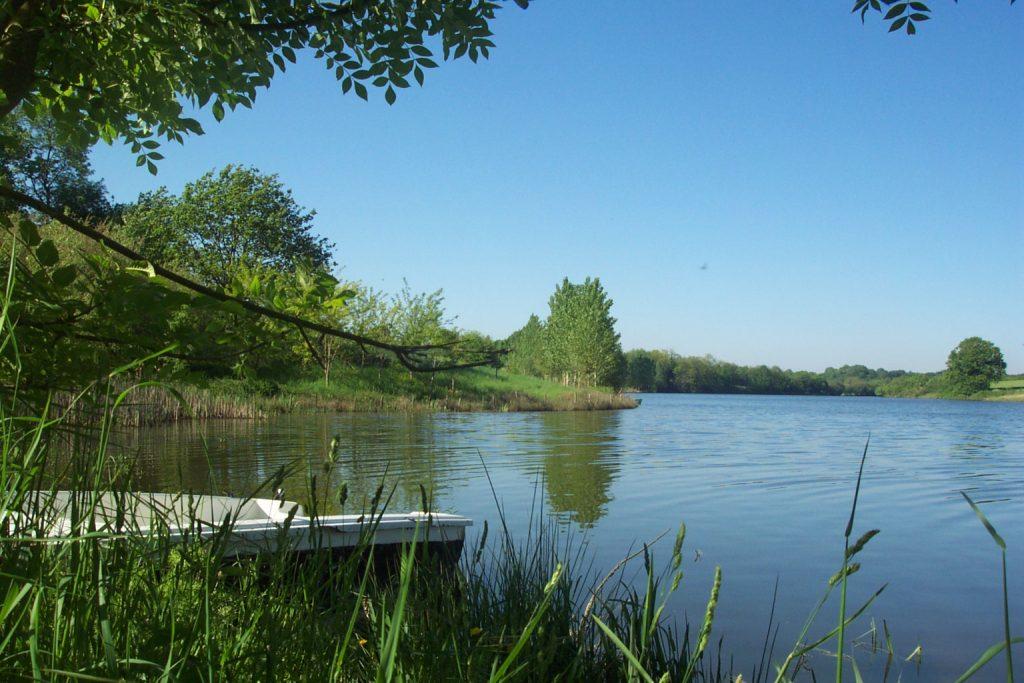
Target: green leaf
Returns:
[93, 12]
[46, 253]
[64, 276]
[896, 10]
[360, 90]
[28, 231]
[389, 95]
[218, 110]
[191, 125]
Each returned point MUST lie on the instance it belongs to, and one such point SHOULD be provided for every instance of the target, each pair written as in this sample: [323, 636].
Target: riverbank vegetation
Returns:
[86, 309]
[356, 389]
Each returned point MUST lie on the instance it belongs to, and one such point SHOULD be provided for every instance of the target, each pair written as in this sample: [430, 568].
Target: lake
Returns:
[764, 484]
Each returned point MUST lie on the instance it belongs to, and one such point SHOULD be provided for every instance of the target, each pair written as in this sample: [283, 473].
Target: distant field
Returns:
[1015, 383]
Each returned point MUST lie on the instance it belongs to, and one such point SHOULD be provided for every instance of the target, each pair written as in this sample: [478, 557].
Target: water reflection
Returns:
[581, 461]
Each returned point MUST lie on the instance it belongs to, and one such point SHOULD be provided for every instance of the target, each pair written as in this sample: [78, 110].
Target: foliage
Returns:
[59, 175]
[665, 371]
[121, 69]
[899, 14]
[915, 384]
[668, 372]
[640, 370]
[420, 318]
[83, 313]
[974, 364]
[581, 345]
[223, 222]
[310, 293]
[526, 349]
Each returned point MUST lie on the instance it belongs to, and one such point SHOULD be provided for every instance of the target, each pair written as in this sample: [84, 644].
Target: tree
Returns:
[581, 344]
[225, 221]
[125, 69]
[420, 318]
[973, 365]
[59, 175]
[640, 370]
[526, 349]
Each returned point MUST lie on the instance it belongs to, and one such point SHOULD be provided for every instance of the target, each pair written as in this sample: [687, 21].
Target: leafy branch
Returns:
[415, 358]
[900, 15]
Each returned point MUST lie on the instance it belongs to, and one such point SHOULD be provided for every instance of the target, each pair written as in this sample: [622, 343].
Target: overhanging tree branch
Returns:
[410, 356]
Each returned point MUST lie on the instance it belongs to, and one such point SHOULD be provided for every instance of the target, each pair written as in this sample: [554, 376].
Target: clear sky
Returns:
[856, 196]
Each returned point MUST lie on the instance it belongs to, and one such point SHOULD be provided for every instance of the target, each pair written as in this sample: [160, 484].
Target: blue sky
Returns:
[858, 197]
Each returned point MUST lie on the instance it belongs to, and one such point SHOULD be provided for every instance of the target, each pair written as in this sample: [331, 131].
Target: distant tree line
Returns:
[972, 366]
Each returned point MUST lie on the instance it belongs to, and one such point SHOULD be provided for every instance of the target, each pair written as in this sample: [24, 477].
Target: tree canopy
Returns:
[59, 175]
[227, 220]
[582, 345]
[577, 343]
[974, 364]
[125, 69]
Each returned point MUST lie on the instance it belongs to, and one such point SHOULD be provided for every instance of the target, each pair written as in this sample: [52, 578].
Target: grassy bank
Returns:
[355, 389]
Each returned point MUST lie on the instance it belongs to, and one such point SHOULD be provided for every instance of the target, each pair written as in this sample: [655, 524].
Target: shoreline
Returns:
[1007, 397]
[155, 405]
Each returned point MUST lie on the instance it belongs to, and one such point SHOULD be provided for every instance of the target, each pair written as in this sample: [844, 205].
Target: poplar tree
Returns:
[581, 344]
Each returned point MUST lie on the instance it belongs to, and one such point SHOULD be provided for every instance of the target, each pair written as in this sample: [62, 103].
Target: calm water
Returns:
[763, 483]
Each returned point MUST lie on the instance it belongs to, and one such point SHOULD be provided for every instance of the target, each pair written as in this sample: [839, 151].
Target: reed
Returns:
[1006, 645]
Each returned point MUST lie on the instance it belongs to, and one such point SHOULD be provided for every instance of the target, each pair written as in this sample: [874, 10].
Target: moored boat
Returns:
[244, 527]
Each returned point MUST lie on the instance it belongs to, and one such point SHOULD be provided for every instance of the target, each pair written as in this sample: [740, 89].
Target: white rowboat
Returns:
[246, 526]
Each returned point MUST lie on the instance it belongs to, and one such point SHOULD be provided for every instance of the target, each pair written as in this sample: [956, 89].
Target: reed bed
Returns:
[150, 405]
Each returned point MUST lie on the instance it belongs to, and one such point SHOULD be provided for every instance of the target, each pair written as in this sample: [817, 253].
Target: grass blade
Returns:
[630, 657]
[985, 657]
[984, 520]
